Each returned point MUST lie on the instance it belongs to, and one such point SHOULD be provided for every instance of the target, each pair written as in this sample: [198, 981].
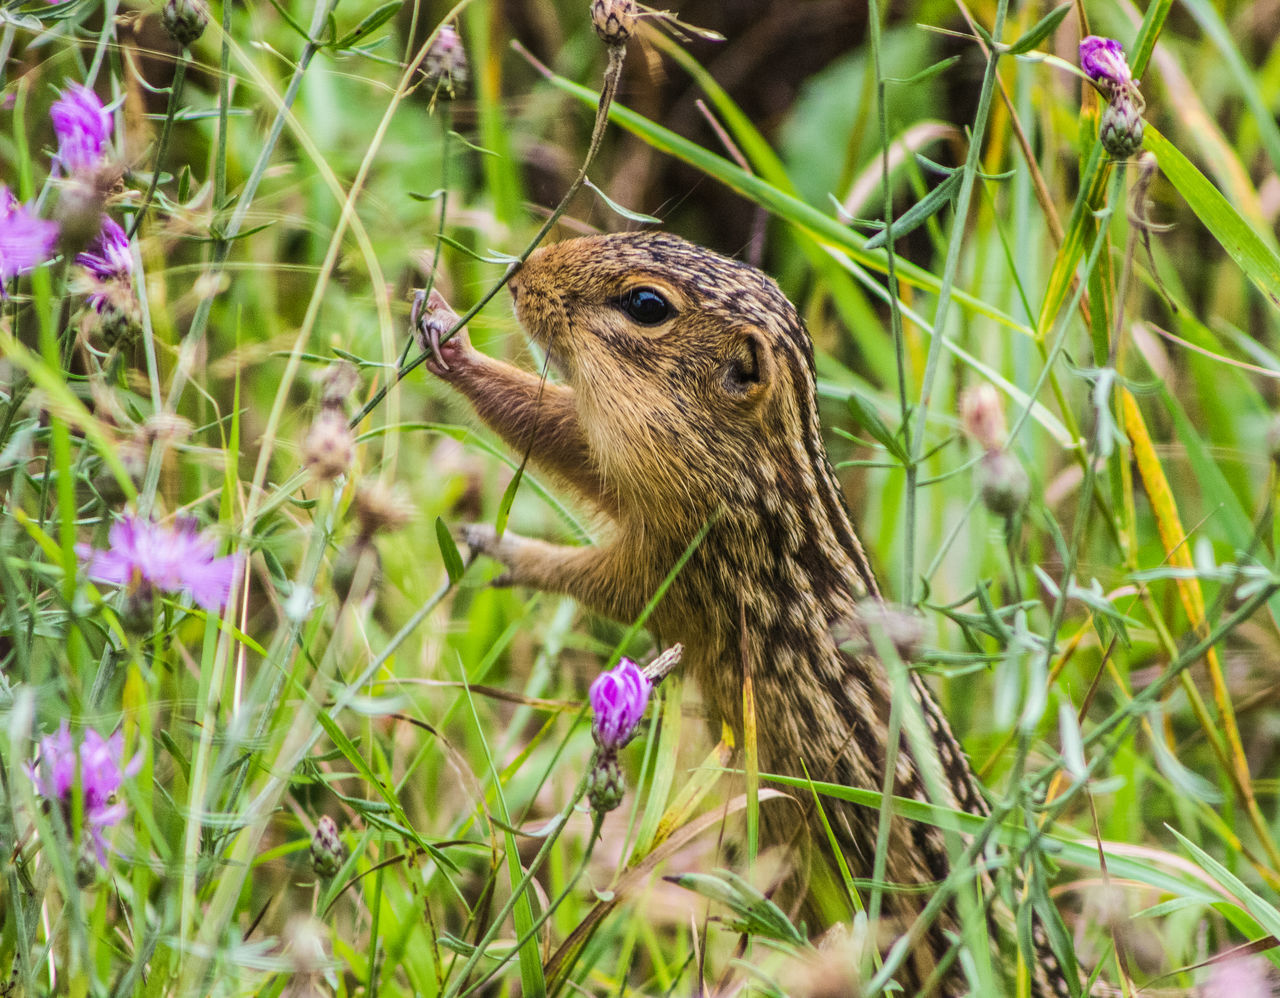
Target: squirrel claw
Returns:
[429, 318]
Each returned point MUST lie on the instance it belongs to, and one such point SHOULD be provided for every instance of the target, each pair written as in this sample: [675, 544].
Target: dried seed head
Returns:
[327, 851]
[185, 21]
[329, 448]
[337, 383]
[614, 20]
[379, 508]
[1002, 483]
[982, 416]
[446, 64]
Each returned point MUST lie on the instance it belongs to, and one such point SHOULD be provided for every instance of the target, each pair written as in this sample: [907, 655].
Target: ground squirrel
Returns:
[690, 404]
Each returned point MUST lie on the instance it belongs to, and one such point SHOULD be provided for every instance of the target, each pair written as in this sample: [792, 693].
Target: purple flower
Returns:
[102, 771]
[1103, 61]
[26, 240]
[107, 258]
[177, 559]
[83, 128]
[618, 700]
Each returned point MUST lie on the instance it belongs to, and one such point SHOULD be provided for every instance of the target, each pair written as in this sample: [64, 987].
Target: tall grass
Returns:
[1106, 652]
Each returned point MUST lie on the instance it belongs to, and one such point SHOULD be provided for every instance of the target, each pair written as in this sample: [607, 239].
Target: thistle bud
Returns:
[614, 20]
[446, 64]
[337, 383]
[185, 21]
[329, 448]
[982, 416]
[1002, 483]
[1121, 127]
[605, 786]
[327, 851]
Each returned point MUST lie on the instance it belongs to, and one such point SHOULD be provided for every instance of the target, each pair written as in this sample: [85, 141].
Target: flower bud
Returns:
[614, 20]
[605, 786]
[1002, 483]
[337, 383]
[982, 416]
[446, 64]
[329, 448]
[185, 21]
[119, 321]
[1121, 127]
[327, 851]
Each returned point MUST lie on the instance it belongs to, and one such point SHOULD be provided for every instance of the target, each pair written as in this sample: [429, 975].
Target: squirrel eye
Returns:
[645, 306]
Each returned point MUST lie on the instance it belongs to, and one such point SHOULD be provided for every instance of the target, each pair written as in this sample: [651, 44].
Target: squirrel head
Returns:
[691, 370]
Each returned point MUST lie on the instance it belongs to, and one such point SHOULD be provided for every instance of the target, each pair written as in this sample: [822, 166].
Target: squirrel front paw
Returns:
[482, 538]
[430, 318]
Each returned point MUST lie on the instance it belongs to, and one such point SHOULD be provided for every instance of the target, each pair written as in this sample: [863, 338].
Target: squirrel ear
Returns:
[748, 370]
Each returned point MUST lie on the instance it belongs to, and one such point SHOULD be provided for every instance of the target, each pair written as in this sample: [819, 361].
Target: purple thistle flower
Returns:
[108, 259]
[102, 772]
[1104, 62]
[618, 700]
[108, 256]
[83, 128]
[26, 240]
[177, 559]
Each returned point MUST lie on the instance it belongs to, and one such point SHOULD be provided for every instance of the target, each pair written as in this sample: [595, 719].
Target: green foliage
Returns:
[1105, 653]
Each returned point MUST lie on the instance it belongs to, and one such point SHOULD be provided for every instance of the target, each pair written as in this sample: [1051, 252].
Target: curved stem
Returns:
[175, 95]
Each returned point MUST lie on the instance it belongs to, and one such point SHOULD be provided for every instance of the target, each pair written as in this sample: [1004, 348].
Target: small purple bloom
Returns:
[26, 240]
[108, 256]
[1104, 62]
[83, 128]
[618, 700]
[102, 772]
[176, 558]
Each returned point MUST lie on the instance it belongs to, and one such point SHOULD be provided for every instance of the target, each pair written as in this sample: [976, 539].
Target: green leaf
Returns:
[922, 210]
[756, 914]
[865, 413]
[449, 551]
[1042, 30]
[1258, 260]
[370, 23]
[627, 213]
[508, 497]
[925, 74]
[1266, 914]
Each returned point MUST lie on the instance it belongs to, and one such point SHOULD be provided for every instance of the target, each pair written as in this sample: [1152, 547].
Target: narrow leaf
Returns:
[449, 551]
[1042, 30]
[1258, 260]
[922, 210]
[369, 24]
